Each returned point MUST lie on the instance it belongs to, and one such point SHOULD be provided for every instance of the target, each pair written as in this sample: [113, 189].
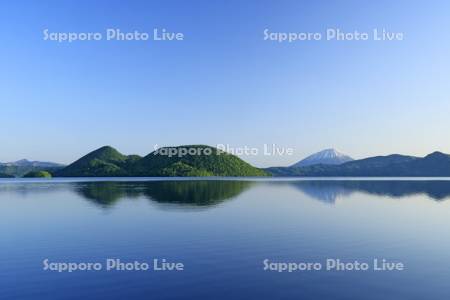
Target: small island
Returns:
[38, 174]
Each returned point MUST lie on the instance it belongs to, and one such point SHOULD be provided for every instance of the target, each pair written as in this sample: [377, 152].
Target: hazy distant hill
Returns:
[107, 161]
[435, 164]
[22, 167]
[28, 163]
[325, 157]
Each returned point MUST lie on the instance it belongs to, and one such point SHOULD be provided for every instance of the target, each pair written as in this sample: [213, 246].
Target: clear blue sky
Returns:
[224, 84]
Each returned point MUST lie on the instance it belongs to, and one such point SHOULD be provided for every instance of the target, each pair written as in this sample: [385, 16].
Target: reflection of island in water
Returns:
[193, 193]
[198, 193]
[206, 193]
[329, 190]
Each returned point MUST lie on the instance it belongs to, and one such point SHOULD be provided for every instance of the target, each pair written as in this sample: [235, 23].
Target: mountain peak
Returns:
[437, 155]
[330, 152]
[101, 162]
[108, 153]
[105, 148]
[328, 156]
[21, 162]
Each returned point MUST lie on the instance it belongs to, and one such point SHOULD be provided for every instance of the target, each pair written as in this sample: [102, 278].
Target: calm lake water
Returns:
[222, 231]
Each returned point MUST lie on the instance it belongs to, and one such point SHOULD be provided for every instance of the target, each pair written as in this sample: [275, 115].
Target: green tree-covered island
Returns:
[38, 174]
[190, 160]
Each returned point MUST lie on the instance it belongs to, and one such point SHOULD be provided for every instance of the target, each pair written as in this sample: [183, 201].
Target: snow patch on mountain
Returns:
[325, 157]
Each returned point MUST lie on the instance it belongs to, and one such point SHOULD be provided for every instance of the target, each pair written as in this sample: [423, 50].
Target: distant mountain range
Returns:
[435, 164]
[21, 167]
[325, 157]
[209, 161]
[27, 163]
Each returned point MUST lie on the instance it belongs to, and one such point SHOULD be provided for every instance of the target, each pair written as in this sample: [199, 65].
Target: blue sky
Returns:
[223, 84]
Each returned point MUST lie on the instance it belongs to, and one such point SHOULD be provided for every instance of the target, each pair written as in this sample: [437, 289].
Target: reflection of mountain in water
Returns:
[198, 193]
[330, 190]
[205, 193]
[322, 192]
[107, 193]
[192, 193]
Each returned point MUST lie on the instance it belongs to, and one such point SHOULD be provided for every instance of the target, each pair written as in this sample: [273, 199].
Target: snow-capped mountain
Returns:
[325, 157]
